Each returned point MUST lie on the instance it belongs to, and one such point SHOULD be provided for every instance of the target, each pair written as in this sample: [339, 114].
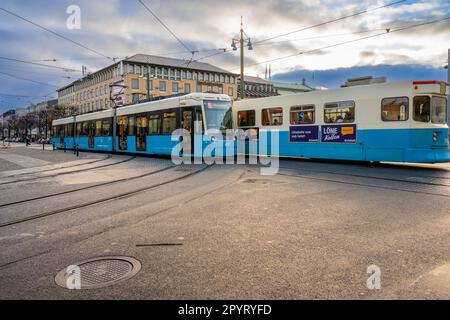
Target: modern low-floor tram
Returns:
[147, 128]
[394, 122]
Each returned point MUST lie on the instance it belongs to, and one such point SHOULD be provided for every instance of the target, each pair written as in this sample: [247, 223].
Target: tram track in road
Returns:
[372, 177]
[101, 200]
[368, 185]
[61, 168]
[68, 172]
[87, 188]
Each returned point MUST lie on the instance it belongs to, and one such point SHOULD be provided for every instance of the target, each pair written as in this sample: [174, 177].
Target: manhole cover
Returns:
[97, 272]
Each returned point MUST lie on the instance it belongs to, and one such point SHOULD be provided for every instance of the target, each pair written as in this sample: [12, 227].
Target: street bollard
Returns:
[53, 145]
[78, 152]
[65, 149]
[43, 146]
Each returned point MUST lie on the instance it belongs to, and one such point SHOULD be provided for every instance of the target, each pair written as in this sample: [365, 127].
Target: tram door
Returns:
[122, 123]
[141, 133]
[191, 121]
[91, 134]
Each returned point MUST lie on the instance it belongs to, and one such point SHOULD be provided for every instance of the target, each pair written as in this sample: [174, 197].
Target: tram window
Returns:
[246, 118]
[98, 128]
[85, 128]
[395, 109]
[169, 123]
[438, 110]
[339, 112]
[422, 108]
[154, 124]
[69, 129]
[79, 128]
[131, 125]
[302, 114]
[106, 128]
[141, 125]
[272, 116]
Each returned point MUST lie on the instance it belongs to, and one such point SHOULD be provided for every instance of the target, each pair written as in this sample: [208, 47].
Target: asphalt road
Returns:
[225, 232]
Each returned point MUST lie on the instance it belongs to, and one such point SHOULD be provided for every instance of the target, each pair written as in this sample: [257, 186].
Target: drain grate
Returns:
[97, 272]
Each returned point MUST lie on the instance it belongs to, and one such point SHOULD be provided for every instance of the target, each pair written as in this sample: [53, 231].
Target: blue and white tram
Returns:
[395, 122]
[147, 128]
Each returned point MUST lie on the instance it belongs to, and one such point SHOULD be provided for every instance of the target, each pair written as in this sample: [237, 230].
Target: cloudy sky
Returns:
[120, 28]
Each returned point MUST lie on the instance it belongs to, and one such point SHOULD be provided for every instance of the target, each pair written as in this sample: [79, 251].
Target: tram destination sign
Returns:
[339, 133]
[304, 134]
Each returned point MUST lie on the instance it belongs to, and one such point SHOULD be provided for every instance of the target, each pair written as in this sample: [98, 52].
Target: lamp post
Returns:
[242, 42]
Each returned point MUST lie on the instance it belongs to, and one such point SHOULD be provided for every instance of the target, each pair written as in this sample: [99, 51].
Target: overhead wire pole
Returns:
[242, 42]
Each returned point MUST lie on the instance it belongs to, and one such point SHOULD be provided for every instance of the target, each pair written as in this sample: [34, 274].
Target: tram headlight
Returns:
[434, 136]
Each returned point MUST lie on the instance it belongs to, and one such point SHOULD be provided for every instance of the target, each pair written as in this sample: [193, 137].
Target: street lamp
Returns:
[242, 42]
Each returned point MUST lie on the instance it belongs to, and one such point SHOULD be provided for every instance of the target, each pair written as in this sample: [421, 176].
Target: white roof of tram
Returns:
[191, 99]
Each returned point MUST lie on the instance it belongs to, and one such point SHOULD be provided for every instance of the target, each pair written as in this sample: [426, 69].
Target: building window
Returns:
[339, 112]
[302, 114]
[101, 91]
[165, 73]
[175, 88]
[135, 97]
[189, 75]
[272, 116]
[101, 104]
[194, 75]
[230, 91]
[183, 74]
[209, 89]
[246, 118]
[222, 79]
[199, 88]
[162, 86]
[171, 74]
[216, 78]
[130, 68]
[395, 109]
[138, 70]
[178, 75]
[221, 90]
[158, 72]
[134, 84]
[187, 88]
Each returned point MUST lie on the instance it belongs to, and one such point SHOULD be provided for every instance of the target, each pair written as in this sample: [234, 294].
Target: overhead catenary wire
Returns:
[55, 33]
[26, 79]
[39, 64]
[307, 28]
[166, 27]
[332, 21]
[388, 31]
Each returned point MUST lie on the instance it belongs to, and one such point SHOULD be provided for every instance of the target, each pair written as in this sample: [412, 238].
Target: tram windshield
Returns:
[218, 115]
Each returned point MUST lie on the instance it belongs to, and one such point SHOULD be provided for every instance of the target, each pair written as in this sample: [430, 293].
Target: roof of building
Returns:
[164, 62]
[292, 86]
[173, 62]
[258, 80]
